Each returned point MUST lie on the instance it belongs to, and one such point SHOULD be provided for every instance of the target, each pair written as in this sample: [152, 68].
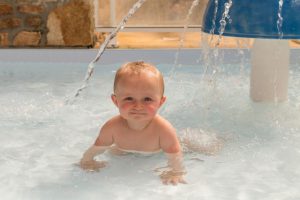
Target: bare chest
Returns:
[138, 141]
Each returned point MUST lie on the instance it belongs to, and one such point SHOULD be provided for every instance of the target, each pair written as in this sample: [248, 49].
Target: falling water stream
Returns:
[280, 19]
[214, 18]
[280, 34]
[185, 28]
[223, 21]
[212, 59]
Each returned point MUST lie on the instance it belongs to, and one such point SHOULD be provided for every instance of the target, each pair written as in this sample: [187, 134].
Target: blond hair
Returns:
[136, 68]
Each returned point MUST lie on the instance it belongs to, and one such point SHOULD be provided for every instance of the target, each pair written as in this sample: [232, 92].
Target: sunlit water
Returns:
[41, 138]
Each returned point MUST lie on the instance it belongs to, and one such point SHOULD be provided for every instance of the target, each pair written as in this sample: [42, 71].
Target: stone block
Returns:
[54, 36]
[6, 9]
[26, 38]
[31, 9]
[72, 23]
[10, 23]
[4, 41]
[33, 21]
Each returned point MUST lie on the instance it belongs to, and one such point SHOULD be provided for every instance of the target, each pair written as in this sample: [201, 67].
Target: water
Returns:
[280, 33]
[211, 53]
[41, 137]
[214, 18]
[280, 19]
[223, 22]
[194, 4]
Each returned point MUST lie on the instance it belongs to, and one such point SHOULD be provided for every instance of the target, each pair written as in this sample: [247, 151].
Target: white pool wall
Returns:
[110, 56]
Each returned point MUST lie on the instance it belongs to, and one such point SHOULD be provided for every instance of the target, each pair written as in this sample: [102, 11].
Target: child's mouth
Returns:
[138, 113]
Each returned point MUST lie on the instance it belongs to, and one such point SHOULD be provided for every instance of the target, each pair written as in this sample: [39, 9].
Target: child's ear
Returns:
[114, 99]
[162, 101]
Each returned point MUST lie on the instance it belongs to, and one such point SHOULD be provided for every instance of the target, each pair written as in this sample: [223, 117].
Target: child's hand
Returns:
[92, 165]
[171, 177]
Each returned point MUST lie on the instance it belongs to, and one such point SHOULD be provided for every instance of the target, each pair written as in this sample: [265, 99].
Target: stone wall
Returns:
[46, 23]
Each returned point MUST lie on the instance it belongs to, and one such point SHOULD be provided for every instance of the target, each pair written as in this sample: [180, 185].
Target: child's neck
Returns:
[137, 126]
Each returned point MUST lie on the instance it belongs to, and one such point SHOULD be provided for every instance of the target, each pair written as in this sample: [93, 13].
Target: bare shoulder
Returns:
[112, 124]
[105, 137]
[167, 136]
[164, 126]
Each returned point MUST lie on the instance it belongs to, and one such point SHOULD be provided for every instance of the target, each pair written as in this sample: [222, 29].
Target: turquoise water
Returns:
[42, 138]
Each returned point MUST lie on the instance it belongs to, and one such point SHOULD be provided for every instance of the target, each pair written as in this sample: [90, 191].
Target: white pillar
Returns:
[113, 23]
[96, 12]
[269, 70]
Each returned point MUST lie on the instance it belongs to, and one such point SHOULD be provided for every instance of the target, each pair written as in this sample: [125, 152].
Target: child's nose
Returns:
[138, 105]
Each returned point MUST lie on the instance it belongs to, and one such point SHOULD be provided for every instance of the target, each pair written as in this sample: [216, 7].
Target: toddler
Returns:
[138, 94]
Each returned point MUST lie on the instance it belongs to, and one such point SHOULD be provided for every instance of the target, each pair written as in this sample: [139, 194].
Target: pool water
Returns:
[42, 137]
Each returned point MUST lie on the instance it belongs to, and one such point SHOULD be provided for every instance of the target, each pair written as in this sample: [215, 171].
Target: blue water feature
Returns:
[255, 18]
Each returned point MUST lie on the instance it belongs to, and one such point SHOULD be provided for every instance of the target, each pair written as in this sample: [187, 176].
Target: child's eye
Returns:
[147, 99]
[128, 99]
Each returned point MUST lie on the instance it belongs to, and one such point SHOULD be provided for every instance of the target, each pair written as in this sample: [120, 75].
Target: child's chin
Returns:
[140, 118]
[138, 115]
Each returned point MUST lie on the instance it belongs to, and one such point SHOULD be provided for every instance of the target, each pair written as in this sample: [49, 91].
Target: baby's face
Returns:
[138, 97]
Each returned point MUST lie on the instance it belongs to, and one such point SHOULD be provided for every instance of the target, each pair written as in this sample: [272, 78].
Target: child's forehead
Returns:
[138, 76]
[137, 92]
[139, 80]
[142, 76]
[133, 88]
[140, 83]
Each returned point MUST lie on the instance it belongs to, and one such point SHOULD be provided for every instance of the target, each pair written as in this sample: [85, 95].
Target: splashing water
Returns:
[280, 34]
[280, 19]
[38, 147]
[102, 48]
[223, 22]
[182, 37]
[206, 46]
[214, 20]
[243, 47]
[213, 59]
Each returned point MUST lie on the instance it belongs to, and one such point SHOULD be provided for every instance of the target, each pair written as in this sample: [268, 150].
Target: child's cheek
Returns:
[152, 109]
[125, 106]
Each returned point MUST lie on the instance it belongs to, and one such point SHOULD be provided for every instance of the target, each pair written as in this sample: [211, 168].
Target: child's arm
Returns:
[177, 170]
[103, 142]
[170, 145]
[87, 162]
